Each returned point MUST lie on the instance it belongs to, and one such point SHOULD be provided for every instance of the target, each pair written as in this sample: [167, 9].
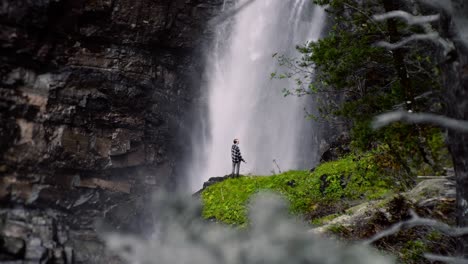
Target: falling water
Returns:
[245, 103]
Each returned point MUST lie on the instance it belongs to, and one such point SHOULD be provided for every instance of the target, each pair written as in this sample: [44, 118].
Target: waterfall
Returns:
[244, 102]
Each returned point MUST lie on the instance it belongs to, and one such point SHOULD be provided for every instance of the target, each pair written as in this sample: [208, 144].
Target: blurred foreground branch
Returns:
[420, 118]
[445, 259]
[393, 46]
[416, 221]
[410, 19]
[423, 21]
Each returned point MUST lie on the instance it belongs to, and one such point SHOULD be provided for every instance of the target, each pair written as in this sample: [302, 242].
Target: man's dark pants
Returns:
[235, 168]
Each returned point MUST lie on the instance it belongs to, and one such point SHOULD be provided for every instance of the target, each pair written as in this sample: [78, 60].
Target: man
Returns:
[236, 157]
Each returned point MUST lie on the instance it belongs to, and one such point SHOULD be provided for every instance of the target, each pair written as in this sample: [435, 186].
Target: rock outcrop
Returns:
[93, 95]
[435, 195]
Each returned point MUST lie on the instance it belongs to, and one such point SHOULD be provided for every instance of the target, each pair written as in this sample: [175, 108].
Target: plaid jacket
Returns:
[235, 154]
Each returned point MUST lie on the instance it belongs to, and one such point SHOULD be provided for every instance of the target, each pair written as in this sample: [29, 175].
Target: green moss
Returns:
[435, 236]
[439, 148]
[324, 220]
[227, 200]
[339, 230]
[352, 177]
[413, 251]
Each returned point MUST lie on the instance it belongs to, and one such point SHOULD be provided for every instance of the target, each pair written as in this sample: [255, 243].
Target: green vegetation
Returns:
[352, 177]
[413, 251]
[324, 220]
[226, 201]
[371, 80]
[340, 230]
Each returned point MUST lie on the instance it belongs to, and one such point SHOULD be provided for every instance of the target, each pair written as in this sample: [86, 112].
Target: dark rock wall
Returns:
[93, 95]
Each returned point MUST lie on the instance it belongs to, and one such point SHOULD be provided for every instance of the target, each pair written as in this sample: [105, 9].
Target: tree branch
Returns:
[419, 118]
[366, 15]
[423, 21]
[410, 19]
[418, 221]
[393, 46]
[445, 259]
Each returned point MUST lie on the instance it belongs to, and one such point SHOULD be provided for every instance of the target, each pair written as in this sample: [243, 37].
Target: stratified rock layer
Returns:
[93, 95]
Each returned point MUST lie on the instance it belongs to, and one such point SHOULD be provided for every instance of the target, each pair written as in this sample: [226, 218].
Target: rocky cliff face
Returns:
[93, 95]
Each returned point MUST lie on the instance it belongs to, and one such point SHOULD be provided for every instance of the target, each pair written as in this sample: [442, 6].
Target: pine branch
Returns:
[410, 19]
[445, 259]
[415, 37]
[420, 118]
[416, 221]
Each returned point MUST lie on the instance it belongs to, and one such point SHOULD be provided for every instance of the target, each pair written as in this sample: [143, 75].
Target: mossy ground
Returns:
[350, 178]
[226, 201]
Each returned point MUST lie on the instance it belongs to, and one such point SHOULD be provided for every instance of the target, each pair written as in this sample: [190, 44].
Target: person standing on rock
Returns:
[236, 157]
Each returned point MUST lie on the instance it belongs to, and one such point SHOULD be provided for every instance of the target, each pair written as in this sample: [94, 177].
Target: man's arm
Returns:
[240, 155]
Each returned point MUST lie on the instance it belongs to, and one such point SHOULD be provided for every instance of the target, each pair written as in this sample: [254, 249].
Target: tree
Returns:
[354, 80]
[453, 59]
[454, 65]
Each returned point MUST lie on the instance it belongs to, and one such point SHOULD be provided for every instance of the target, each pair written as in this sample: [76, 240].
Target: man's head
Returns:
[236, 141]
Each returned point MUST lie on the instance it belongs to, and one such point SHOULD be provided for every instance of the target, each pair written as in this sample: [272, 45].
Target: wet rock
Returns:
[12, 246]
[291, 183]
[92, 97]
[426, 196]
[336, 147]
[16, 229]
[212, 181]
[324, 183]
[35, 251]
[103, 184]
